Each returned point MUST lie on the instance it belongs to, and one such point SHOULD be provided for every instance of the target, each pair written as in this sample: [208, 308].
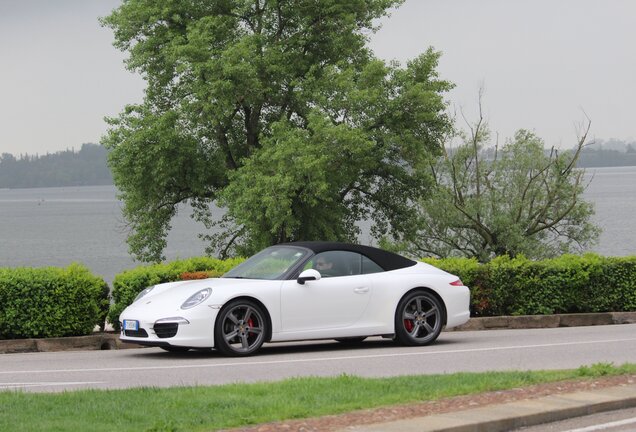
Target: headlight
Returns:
[196, 298]
[143, 293]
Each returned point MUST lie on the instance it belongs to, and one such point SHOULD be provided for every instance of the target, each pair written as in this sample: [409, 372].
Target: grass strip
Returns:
[226, 406]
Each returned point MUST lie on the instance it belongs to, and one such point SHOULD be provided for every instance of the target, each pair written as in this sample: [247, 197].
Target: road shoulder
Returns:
[415, 416]
[513, 415]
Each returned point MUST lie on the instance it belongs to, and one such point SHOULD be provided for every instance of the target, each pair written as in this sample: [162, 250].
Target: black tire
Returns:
[175, 349]
[240, 328]
[351, 340]
[418, 319]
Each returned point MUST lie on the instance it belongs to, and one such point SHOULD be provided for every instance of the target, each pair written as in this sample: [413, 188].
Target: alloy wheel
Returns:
[241, 328]
[419, 319]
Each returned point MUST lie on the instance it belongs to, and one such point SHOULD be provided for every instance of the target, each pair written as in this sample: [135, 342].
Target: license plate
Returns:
[131, 325]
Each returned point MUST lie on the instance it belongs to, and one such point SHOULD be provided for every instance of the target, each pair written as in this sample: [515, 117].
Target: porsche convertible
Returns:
[300, 291]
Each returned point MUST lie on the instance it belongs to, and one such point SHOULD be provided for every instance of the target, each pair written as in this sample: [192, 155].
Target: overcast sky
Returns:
[541, 62]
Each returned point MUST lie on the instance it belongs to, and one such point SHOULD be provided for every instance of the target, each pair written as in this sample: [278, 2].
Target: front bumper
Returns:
[193, 330]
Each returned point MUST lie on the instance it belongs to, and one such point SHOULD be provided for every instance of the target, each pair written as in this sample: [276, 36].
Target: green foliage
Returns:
[603, 369]
[276, 110]
[568, 284]
[518, 199]
[128, 284]
[51, 302]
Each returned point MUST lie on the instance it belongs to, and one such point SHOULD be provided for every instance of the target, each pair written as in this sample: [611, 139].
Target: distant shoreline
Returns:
[89, 167]
[605, 166]
[4, 188]
[55, 186]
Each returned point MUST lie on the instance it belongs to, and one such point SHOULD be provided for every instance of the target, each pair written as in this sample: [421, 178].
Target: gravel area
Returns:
[400, 412]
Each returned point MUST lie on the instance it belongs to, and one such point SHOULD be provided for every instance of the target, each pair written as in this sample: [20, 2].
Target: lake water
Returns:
[58, 226]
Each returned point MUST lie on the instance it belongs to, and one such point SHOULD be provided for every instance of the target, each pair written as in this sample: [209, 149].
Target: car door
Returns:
[337, 300]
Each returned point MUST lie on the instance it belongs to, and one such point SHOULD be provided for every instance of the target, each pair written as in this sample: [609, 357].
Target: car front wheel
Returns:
[418, 318]
[240, 328]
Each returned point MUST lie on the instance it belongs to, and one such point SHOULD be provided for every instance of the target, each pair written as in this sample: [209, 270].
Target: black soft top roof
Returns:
[387, 260]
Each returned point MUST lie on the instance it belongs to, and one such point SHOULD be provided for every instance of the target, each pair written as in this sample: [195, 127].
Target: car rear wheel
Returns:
[418, 318]
[240, 328]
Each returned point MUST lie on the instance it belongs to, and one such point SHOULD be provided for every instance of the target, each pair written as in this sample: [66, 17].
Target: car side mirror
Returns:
[308, 275]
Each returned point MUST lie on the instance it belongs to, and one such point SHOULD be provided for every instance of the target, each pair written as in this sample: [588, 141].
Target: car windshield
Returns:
[271, 263]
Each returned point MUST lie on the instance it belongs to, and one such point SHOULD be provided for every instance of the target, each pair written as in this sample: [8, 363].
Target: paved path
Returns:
[623, 420]
[544, 412]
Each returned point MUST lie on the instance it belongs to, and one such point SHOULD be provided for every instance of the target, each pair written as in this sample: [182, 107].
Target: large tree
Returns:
[517, 199]
[277, 111]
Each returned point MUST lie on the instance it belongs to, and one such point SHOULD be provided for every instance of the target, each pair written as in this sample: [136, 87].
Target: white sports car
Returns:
[300, 291]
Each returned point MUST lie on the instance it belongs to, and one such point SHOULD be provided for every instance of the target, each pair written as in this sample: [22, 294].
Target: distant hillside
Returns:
[88, 167]
[609, 153]
[606, 158]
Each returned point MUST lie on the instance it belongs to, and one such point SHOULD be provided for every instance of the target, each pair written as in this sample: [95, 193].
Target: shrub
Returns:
[200, 275]
[473, 275]
[568, 284]
[128, 284]
[51, 302]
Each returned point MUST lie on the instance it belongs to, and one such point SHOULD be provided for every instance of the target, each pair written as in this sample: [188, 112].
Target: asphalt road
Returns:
[556, 348]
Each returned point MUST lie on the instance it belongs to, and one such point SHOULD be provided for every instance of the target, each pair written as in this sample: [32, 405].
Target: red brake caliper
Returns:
[250, 323]
[408, 325]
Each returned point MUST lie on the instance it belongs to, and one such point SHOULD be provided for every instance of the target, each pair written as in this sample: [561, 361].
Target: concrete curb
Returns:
[110, 340]
[547, 321]
[97, 341]
[514, 415]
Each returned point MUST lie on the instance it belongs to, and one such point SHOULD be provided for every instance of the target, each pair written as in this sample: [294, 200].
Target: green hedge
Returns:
[51, 302]
[56, 302]
[568, 284]
[128, 284]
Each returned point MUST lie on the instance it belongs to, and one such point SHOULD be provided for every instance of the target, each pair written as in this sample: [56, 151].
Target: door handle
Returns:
[361, 290]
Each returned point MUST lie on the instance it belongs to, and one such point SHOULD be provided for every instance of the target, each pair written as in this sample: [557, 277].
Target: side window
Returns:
[337, 263]
[369, 266]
